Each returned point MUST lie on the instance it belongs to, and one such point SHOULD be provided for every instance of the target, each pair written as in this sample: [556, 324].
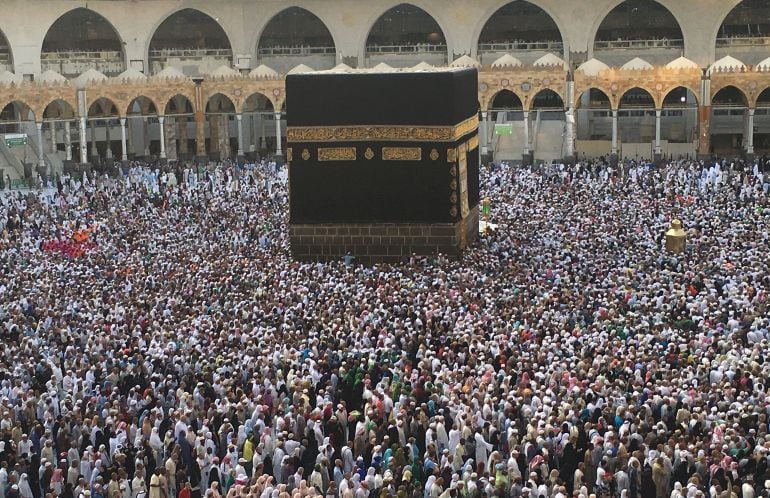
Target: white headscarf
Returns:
[24, 490]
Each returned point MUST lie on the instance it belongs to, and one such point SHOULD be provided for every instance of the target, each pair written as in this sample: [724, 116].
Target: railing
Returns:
[12, 161]
[75, 67]
[743, 41]
[632, 44]
[517, 45]
[405, 49]
[288, 51]
[190, 53]
[75, 56]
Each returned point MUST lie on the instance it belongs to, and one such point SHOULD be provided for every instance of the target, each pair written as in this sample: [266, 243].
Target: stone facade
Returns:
[384, 242]
[348, 21]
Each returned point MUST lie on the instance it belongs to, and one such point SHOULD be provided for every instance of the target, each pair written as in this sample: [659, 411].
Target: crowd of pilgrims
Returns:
[182, 353]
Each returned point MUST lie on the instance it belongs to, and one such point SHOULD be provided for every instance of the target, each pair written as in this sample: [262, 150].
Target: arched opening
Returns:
[59, 115]
[190, 41]
[259, 125]
[547, 119]
[296, 36]
[220, 113]
[522, 28]
[636, 124]
[16, 117]
[638, 27]
[404, 36]
[103, 116]
[180, 127]
[762, 123]
[728, 121]
[506, 112]
[745, 27]
[6, 56]
[548, 100]
[679, 120]
[142, 128]
[594, 123]
[82, 39]
[17, 123]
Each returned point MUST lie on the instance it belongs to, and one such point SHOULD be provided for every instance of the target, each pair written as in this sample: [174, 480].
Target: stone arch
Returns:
[501, 10]
[596, 99]
[200, 31]
[222, 101]
[729, 96]
[298, 19]
[619, 7]
[141, 105]
[59, 109]
[94, 33]
[673, 97]
[377, 18]
[547, 98]
[637, 98]
[19, 107]
[506, 99]
[258, 102]
[179, 104]
[763, 98]
[6, 52]
[103, 107]
[739, 21]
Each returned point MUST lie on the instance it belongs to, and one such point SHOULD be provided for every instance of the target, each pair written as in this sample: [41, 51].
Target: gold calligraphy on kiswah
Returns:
[381, 133]
[337, 154]
[401, 154]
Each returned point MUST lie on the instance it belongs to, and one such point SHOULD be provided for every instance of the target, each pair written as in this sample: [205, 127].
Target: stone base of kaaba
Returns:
[372, 243]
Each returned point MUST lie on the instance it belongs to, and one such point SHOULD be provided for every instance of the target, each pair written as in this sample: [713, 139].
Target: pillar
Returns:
[213, 133]
[253, 133]
[525, 160]
[123, 144]
[83, 141]
[169, 129]
[94, 150]
[182, 134]
[200, 133]
[161, 121]
[483, 133]
[108, 139]
[67, 141]
[278, 148]
[750, 134]
[146, 134]
[704, 119]
[223, 122]
[658, 150]
[52, 126]
[239, 119]
[40, 153]
[569, 132]
[614, 151]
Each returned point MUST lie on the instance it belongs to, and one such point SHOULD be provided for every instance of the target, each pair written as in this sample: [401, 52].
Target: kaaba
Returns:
[382, 165]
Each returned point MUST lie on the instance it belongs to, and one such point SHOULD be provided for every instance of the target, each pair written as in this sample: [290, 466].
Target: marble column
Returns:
[123, 145]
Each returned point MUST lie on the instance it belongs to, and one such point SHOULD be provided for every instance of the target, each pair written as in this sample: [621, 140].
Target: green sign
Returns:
[504, 129]
[15, 139]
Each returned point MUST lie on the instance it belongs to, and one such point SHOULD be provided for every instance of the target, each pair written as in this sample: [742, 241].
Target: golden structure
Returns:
[676, 237]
